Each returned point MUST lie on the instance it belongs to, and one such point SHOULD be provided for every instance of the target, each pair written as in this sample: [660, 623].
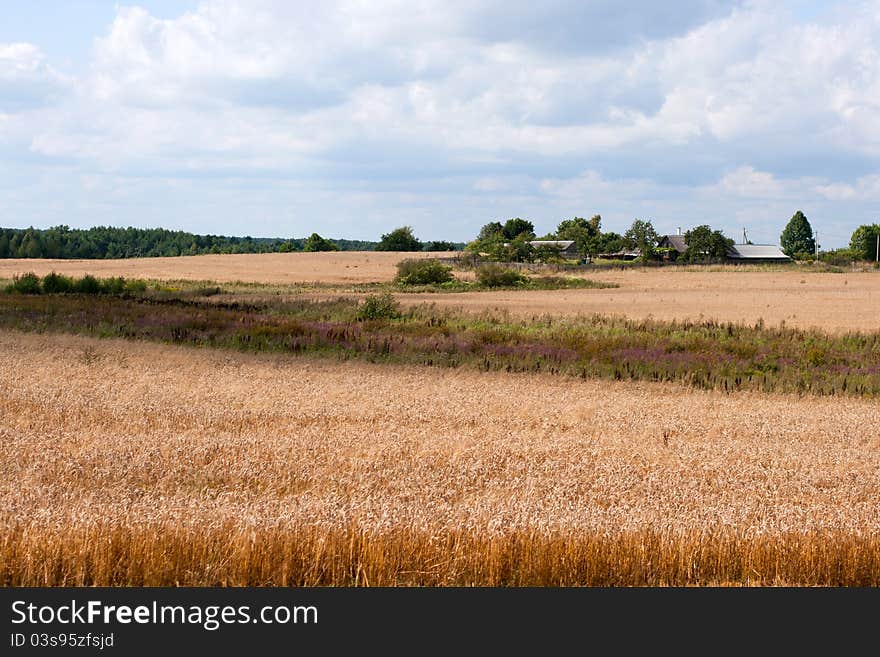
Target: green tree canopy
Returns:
[797, 236]
[315, 242]
[516, 250]
[513, 228]
[495, 239]
[705, 244]
[642, 236]
[399, 239]
[609, 242]
[863, 243]
[440, 245]
[584, 233]
[490, 231]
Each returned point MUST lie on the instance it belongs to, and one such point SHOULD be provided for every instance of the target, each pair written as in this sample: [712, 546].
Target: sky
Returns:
[277, 119]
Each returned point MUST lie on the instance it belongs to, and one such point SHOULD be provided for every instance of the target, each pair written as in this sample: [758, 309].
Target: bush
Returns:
[422, 272]
[88, 284]
[57, 283]
[113, 285]
[378, 306]
[25, 284]
[135, 286]
[498, 276]
[838, 257]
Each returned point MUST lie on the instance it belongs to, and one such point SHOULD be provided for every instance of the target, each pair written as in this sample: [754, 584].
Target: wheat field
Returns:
[140, 464]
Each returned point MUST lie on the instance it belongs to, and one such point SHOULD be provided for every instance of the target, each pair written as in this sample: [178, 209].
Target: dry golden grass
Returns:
[801, 299]
[275, 268]
[127, 463]
[832, 302]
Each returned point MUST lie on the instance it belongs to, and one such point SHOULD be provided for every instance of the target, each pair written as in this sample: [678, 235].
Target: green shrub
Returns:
[422, 272]
[113, 285]
[135, 286]
[378, 306]
[57, 283]
[498, 276]
[88, 284]
[838, 257]
[25, 284]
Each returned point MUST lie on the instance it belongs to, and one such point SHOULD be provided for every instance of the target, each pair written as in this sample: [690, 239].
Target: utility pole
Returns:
[745, 241]
[878, 248]
[816, 243]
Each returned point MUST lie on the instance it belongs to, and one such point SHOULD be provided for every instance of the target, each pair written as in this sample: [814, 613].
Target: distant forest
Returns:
[109, 242]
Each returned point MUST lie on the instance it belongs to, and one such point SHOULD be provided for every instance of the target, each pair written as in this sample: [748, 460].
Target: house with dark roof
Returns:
[562, 248]
[672, 246]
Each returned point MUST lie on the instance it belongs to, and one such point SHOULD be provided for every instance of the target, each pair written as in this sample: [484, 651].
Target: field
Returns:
[131, 463]
[800, 298]
[273, 268]
[272, 437]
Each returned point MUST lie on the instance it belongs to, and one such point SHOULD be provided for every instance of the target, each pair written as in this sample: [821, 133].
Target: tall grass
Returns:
[707, 355]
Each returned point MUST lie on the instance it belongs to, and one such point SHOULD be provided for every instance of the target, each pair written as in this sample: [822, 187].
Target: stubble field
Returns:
[128, 463]
[799, 298]
[273, 268]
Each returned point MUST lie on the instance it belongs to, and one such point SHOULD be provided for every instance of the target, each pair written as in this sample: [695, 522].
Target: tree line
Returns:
[514, 241]
[104, 242]
[510, 241]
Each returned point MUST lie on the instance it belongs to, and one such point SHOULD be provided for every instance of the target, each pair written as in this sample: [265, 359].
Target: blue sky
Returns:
[271, 118]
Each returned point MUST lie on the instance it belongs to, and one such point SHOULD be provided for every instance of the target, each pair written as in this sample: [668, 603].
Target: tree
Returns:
[863, 243]
[490, 239]
[609, 242]
[705, 244]
[519, 249]
[492, 230]
[797, 237]
[642, 236]
[315, 242]
[440, 245]
[399, 239]
[513, 228]
[583, 233]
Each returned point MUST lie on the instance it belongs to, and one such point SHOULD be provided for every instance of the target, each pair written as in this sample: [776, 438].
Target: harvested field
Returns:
[274, 268]
[831, 302]
[132, 463]
[835, 302]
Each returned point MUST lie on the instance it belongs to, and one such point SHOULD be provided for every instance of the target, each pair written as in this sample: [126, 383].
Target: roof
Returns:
[676, 242]
[756, 252]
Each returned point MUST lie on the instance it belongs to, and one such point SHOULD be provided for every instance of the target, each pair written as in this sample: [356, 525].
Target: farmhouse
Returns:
[673, 246]
[564, 248]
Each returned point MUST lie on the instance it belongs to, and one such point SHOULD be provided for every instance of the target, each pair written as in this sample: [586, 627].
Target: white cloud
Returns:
[745, 181]
[568, 108]
[865, 188]
[27, 81]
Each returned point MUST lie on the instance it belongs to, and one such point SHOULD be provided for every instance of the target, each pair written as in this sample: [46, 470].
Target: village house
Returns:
[672, 246]
[562, 248]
